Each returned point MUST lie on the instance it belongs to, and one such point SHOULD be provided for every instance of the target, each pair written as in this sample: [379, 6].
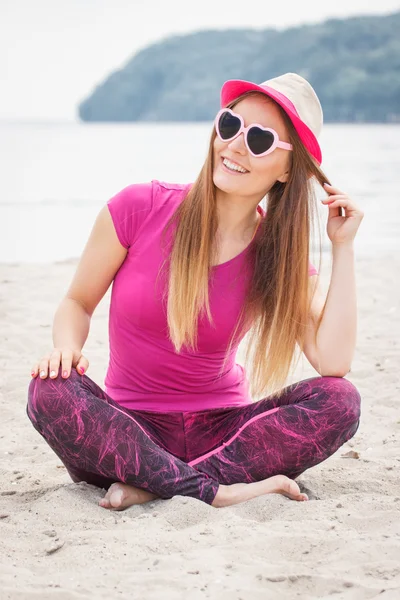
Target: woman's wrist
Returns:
[343, 247]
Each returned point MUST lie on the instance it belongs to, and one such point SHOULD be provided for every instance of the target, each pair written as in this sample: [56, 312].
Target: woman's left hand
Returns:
[341, 230]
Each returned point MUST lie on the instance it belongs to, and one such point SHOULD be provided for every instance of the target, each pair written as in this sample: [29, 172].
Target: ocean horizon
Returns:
[57, 175]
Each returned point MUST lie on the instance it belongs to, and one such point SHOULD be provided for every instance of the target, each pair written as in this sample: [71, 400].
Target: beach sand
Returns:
[56, 542]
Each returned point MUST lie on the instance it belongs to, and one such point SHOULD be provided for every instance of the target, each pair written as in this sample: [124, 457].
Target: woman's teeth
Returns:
[233, 167]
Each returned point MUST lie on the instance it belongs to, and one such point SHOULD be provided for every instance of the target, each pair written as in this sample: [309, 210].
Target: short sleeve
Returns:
[129, 209]
[311, 269]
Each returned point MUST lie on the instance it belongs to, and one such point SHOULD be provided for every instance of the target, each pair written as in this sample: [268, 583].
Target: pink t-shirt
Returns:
[145, 372]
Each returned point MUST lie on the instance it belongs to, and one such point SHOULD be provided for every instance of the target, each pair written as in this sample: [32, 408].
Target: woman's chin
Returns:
[226, 183]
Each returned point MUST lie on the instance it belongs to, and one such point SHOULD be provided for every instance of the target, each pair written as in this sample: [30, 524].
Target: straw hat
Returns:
[297, 98]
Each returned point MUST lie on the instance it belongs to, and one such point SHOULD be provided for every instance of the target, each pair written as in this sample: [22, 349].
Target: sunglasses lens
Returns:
[259, 141]
[228, 125]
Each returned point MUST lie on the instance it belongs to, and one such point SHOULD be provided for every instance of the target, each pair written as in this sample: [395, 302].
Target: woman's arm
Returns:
[336, 338]
[70, 325]
[102, 257]
[333, 351]
[332, 354]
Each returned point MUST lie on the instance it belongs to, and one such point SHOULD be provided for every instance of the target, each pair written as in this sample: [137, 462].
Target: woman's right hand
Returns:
[60, 360]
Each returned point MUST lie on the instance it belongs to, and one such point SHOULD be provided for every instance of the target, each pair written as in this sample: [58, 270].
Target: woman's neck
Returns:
[237, 222]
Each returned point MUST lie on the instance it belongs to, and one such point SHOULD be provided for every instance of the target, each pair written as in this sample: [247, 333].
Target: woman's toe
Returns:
[117, 497]
[105, 502]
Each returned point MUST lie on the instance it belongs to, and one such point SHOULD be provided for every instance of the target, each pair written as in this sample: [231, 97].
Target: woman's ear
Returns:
[284, 177]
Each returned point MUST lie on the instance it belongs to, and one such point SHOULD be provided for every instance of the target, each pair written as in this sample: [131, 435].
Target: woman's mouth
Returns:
[232, 168]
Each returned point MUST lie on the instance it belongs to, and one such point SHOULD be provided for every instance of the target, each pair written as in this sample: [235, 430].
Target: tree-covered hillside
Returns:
[353, 64]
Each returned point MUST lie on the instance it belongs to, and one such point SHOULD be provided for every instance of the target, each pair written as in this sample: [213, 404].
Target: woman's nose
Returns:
[238, 145]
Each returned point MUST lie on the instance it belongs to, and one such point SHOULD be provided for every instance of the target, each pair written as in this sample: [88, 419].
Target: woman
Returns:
[194, 268]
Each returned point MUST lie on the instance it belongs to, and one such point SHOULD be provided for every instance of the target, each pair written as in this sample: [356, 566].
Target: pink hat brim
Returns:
[234, 88]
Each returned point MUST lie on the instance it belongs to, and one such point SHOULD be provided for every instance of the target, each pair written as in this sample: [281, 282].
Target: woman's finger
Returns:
[336, 210]
[351, 208]
[82, 365]
[66, 362]
[336, 204]
[343, 202]
[54, 363]
[332, 190]
[44, 368]
[335, 197]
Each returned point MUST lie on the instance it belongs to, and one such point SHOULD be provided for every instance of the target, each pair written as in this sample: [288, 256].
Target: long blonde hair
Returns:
[277, 304]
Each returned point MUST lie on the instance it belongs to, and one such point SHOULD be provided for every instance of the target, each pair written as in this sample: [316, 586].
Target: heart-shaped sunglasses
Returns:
[259, 140]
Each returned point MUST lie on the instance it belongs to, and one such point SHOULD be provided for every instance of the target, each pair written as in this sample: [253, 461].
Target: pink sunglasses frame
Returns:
[276, 144]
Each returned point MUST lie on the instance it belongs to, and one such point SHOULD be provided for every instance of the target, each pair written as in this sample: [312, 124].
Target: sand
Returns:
[56, 542]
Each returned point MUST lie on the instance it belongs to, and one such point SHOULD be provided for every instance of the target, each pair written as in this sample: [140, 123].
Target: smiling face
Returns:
[261, 172]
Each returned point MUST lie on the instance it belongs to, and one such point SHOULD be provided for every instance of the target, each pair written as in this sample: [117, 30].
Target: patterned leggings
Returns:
[191, 453]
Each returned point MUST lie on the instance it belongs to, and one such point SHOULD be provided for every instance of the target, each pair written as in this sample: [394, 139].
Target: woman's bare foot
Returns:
[121, 495]
[228, 495]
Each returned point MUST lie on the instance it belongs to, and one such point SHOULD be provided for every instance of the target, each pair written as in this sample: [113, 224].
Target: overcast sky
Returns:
[53, 52]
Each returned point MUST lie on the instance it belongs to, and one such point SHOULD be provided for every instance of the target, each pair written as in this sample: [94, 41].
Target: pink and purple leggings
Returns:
[191, 453]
